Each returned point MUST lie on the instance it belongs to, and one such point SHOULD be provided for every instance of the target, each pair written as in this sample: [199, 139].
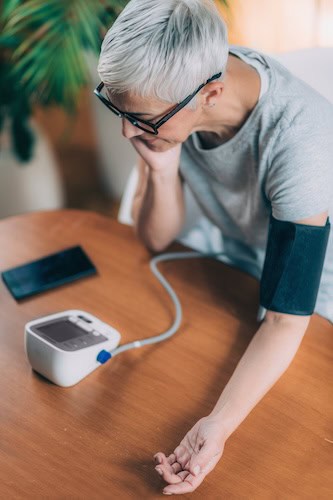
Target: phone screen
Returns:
[48, 272]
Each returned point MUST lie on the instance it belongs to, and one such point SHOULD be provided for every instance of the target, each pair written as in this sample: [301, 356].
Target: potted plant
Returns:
[42, 63]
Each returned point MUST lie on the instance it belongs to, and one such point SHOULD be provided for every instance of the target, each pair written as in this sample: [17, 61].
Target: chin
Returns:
[160, 145]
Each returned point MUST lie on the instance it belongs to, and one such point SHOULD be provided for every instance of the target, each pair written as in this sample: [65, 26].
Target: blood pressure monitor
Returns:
[65, 347]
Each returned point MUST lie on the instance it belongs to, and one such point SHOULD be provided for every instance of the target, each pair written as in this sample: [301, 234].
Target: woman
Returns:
[253, 143]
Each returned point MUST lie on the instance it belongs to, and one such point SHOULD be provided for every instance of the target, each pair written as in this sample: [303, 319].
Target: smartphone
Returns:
[48, 272]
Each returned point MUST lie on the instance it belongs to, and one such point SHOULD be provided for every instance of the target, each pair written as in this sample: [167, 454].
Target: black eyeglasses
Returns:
[151, 128]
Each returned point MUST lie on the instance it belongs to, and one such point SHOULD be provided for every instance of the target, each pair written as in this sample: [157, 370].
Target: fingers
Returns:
[172, 458]
[182, 454]
[168, 468]
[187, 484]
[179, 456]
[180, 480]
[158, 457]
[176, 465]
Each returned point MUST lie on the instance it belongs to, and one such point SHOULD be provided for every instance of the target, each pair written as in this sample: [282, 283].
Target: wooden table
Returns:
[97, 439]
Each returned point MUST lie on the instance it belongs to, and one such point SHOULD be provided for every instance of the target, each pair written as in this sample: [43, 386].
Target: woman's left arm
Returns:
[266, 358]
[268, 355]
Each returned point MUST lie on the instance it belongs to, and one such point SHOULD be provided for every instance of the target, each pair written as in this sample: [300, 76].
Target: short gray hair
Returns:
[164, 49]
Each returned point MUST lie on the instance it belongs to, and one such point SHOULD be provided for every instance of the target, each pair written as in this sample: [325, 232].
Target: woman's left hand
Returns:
[202, 447]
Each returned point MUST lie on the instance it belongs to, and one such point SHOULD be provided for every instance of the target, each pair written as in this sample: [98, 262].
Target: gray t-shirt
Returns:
[280, 161]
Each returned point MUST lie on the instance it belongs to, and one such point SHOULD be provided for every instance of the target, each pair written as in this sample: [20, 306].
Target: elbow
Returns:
[295, 321]
[152, 244]
[156, 246]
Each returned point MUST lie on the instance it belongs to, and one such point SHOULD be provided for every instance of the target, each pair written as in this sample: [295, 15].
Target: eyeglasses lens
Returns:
[136, 123]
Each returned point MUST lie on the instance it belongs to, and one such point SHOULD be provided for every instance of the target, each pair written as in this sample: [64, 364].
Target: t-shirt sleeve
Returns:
[299, 180]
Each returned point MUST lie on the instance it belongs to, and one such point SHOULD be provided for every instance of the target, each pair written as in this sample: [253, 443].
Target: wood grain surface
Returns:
[97, 439]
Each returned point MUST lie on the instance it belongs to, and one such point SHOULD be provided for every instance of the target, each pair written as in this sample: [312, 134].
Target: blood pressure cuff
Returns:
[293, 266]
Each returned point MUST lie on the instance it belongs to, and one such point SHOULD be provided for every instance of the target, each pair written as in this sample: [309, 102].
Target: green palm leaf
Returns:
[50, 37]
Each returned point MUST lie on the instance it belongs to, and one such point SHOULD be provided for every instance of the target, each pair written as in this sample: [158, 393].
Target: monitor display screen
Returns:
[61, 331]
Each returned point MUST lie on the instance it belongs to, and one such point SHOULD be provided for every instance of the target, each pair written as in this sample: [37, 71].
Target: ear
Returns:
[211, 92]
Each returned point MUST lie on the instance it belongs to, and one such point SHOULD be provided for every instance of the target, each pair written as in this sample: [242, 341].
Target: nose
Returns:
[129, 130]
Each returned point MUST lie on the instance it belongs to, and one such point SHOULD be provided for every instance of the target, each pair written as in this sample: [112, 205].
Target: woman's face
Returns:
[176, 130]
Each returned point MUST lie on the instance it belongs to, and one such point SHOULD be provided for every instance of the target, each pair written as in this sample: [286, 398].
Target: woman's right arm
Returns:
[158, 209]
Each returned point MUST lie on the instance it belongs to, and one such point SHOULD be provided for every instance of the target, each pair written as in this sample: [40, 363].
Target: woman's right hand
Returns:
[158, 161]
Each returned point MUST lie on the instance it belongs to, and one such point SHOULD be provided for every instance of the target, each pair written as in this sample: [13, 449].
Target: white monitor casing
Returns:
[66, 368]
